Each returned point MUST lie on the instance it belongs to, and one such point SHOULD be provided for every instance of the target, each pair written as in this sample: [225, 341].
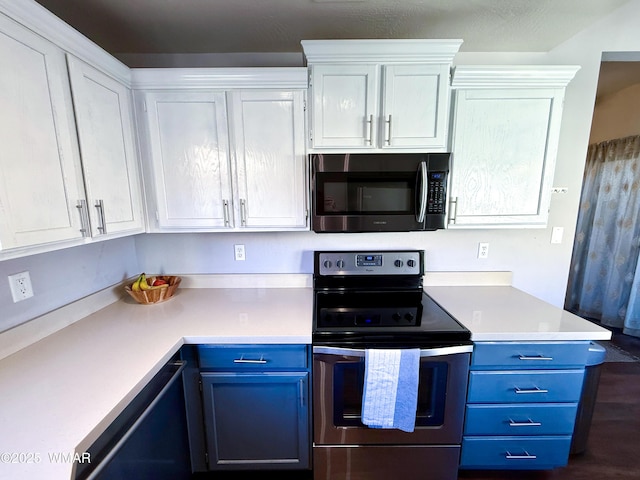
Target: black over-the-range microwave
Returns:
[381, 192]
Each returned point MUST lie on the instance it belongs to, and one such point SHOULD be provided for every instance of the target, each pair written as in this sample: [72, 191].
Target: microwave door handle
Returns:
[421, 189]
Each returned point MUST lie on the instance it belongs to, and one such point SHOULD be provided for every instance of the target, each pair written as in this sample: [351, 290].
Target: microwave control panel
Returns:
[437, 189]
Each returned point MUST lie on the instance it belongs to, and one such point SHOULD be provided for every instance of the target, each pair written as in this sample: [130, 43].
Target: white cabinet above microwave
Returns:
[379, 95]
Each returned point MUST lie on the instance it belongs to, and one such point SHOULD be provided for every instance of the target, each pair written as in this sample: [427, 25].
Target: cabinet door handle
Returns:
[519, 390]
[102, 224]
[525, 456]
[388, 138]
[453, 207]
[243, 212]
[369, 140]
[247, 360]
[528, 423]
[225, 212]
[84, 219]
[534, 357]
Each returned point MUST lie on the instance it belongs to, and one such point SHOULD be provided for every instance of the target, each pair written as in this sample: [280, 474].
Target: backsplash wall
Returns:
[292, 252]
[63, 276]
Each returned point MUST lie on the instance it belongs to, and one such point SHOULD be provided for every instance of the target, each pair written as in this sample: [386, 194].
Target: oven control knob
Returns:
[408, 317]
[411, 263]
[398, 263]
[396, 316]
[327, 264]
[340, 264]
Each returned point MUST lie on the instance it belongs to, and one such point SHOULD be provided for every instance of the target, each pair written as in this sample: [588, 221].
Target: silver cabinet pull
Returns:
[453, 206]
[525, 456]
[84, 218]
[225, 212]
[247, 360]
[369, 140]
[102, 224]
[243, 212]
[519, 390]
[528, 423]
[388, 137]
[534, 357]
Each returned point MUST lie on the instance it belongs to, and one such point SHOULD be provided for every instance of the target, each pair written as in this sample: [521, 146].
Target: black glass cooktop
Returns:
[395, 318]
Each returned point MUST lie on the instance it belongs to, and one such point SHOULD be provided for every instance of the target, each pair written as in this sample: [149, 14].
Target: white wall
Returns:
[63, 276]
[617, 115]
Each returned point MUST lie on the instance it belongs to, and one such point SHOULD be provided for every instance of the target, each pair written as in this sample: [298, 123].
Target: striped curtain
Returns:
[604, 278]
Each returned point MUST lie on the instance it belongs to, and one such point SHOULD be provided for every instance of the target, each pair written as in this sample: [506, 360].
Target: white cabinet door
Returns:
[40, 172]
[345, 106]
[269, 158]
[189, 149]
[104, 118]
[504, 149]
[415, 106]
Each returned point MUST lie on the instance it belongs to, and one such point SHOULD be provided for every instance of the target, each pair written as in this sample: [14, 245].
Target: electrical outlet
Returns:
[239, 252]
[20, 284]
[483, 250]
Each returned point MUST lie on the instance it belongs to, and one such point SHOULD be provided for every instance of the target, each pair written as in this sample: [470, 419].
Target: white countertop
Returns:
[504, 313]
[60, 393]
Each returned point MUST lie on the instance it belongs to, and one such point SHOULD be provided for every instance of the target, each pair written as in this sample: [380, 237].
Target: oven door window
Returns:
[349, 383]
[353, 194]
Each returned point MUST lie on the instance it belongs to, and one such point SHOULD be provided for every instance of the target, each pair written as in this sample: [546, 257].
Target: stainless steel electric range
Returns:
[371, 300]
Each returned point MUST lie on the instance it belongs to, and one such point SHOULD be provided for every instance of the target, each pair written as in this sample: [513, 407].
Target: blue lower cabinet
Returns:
[515, 453]
[521, 404]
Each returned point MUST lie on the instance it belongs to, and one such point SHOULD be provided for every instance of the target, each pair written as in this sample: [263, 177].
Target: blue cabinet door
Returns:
[257, 420]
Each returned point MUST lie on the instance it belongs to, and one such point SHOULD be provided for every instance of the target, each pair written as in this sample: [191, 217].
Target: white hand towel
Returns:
[390, 396]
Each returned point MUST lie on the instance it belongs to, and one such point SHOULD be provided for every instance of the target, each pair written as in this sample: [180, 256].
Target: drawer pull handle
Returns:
[528, 423]
[525, 456]
[247, 360]
[519, 390]
[536, 357]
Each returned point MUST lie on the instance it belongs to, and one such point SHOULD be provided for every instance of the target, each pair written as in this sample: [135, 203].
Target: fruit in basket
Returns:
[140, 283]
[159, 282]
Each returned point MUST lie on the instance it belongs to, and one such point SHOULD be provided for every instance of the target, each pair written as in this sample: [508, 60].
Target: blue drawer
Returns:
[521, 419]
[253, 357]
[515, 453]
[532, 386]
[531, 355]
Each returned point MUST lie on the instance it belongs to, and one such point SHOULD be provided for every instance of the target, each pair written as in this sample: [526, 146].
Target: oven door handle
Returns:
[424, 352]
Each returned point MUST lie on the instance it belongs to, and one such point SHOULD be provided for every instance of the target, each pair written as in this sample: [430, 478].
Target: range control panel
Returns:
[370, 263]
[380, 317]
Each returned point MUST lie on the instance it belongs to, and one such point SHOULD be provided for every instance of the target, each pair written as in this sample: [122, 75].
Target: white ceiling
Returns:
[234, 26]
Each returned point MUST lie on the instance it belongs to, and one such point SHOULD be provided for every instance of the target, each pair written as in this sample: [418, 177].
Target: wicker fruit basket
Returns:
[155, 294]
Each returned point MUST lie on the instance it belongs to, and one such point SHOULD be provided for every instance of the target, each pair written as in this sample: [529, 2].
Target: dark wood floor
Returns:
[613, 447]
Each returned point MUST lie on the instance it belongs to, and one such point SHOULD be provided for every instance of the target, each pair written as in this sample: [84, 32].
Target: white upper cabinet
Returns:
[104, 116]
[189, 149]
[505, 141]
[379, 95]
[40, 172]
[224, 148]
[269, 158]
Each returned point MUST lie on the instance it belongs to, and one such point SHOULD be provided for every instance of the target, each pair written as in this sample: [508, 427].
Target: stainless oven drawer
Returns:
[386, 462]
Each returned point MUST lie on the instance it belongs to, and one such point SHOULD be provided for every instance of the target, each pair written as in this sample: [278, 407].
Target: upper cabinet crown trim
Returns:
[219, 78]
[520, 76]
[381, 51]
[40, 20]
